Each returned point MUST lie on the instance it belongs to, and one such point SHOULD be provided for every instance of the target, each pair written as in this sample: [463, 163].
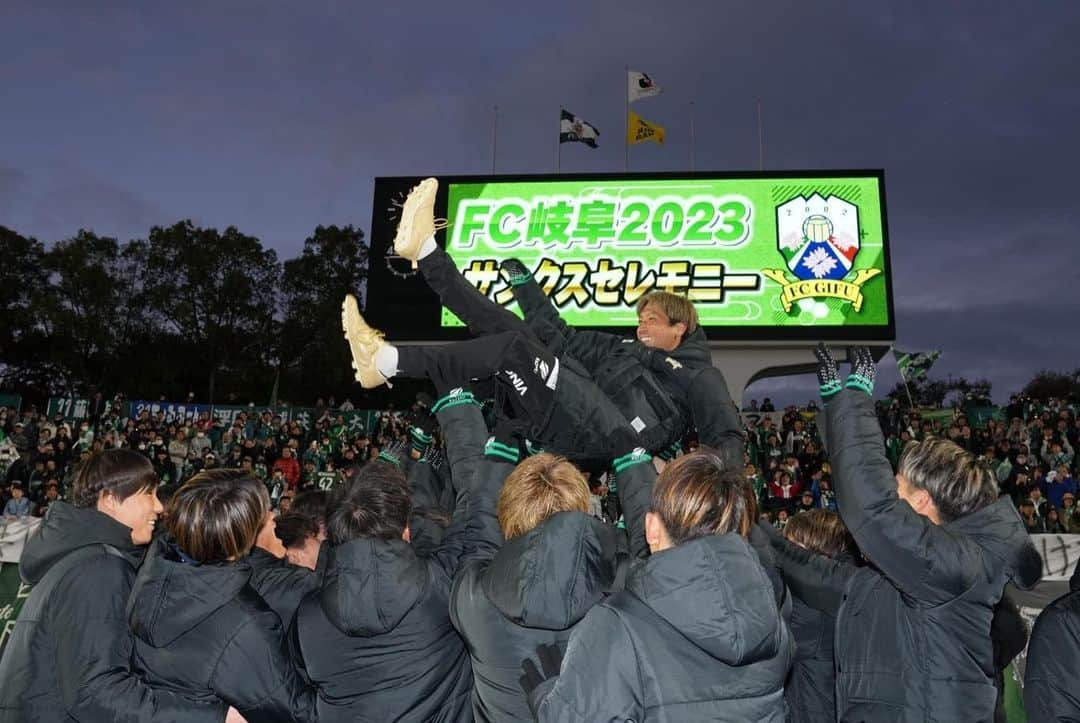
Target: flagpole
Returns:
[494, 135]
[558, 144]
[691, 136]
[760, 139]
[626, 118]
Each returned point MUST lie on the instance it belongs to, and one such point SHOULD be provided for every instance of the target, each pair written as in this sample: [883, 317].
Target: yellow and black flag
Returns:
[638, 130]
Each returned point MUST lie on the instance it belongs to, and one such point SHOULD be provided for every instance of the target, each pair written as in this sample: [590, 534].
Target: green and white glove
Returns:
[863, 370]
[828, 373]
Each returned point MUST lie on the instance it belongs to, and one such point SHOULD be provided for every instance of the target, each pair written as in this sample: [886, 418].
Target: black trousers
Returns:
[564, 411]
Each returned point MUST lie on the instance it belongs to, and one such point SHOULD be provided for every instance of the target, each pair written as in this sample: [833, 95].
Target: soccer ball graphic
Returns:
[817, 228]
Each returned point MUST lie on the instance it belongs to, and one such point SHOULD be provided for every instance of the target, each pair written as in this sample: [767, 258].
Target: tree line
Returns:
[185, 309]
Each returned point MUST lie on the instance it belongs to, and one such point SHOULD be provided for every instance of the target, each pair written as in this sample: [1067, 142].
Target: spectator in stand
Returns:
[784, 491]
[1061, 484]
[289, 466]
[1070, 515]
[806, 502]
[19, 505]
[1032, 522]
[52, 494]
[1035, 496]
[1057, 452]
[1052, 525]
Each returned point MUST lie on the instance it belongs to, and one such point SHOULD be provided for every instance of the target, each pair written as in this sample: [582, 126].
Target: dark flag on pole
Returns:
[574, 130]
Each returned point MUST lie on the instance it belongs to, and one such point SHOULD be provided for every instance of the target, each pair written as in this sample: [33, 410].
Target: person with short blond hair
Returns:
[539, 487]
[697, 634]
[554, 563]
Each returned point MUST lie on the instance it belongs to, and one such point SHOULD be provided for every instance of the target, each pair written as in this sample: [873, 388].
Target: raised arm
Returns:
[716, 416]
[922, 559]
[465, 433]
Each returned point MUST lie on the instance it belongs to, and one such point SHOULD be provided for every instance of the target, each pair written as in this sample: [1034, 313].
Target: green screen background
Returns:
[761, 308]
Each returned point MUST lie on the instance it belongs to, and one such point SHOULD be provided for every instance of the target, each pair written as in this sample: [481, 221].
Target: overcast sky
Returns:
[276, 116]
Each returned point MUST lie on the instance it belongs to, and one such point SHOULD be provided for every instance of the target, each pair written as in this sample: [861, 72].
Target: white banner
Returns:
[13, 536]
[1060, 554]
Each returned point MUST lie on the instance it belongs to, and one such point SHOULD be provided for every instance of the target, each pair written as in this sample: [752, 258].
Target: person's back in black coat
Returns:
[72, 659]
[1053, 660]
[203, 631]
[376, 638]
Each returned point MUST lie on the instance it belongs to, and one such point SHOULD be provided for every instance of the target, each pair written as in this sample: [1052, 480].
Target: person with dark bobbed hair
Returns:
[809, 689]
[696, 635]
[69, 655]
[913, 626]
[200, 627]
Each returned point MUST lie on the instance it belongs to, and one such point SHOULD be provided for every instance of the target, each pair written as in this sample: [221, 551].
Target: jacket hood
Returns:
[694, 350]
[65, 529]
[998, 530]
[171, 597]
[549, 577]
[371, 585]
[715, 593]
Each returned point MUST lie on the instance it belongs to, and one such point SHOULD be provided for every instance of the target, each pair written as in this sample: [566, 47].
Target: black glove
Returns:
[863, 370]
[434, 456]
[550, 661]
[507, 441]
[828, 374]
[514, 272]
[394, 453]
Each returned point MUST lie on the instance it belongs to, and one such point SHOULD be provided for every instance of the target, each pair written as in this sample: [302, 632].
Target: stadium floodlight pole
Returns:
[760, 139]
[494, 135]
[691, 136]
[558, 143]
[626, 118]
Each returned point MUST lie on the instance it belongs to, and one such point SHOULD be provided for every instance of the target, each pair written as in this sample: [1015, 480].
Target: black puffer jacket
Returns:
[376, 638]
[1051, 692]
[69, 655]
[913, 627]
[809, 690]
[281, 584]
[534, 591]
[660, 393]
[203, 631]
[696, 636]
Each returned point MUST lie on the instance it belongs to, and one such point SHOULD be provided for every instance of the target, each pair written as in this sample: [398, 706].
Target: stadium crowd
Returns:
[577, 527]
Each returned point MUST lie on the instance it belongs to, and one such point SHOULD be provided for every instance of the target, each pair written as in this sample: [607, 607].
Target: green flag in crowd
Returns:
[915, 364]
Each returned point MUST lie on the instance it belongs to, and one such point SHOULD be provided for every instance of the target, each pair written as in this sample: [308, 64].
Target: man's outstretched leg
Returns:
[415, 241]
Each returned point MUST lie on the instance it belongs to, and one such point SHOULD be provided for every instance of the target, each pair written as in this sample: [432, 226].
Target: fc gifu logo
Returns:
[818, 237]
[819, 240]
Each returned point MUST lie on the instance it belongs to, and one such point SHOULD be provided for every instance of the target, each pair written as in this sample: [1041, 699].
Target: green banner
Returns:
[749, 252]
[71, 408]
[11, 401]
[13, 594]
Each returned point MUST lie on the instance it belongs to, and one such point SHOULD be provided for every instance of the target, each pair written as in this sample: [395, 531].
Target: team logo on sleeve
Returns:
[819, 240]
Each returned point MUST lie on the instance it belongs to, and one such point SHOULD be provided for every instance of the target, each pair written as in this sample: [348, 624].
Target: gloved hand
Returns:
[863, 370]
[434, 456]
[828, 374]
[507, 441]
[550, 661]
[514, 272]
[395, 452]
